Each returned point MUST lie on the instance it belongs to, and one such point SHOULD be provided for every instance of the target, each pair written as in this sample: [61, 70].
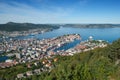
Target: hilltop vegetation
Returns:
[98, 64]
[11, 26]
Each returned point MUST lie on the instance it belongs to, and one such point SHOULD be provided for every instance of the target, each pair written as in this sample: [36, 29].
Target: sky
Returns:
[60, 11]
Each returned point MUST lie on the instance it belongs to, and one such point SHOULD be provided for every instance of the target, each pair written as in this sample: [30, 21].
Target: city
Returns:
[33, 50]
[59, 39]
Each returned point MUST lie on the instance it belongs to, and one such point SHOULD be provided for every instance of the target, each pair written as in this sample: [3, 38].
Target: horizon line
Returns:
[57, 23]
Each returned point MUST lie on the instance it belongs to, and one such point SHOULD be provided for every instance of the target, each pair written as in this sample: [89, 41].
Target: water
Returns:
[3, 58]
[108, 34]
[68, 45]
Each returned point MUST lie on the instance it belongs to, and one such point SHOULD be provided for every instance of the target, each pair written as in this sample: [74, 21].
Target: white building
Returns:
[90, 38]
[9, 60]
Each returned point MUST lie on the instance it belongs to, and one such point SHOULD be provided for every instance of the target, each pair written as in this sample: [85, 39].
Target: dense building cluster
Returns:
[33, 50]
[22, 33]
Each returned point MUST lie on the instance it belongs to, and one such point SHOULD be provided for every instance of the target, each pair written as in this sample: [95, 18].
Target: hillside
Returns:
[98, 64]
[11, 26]
[92, 25]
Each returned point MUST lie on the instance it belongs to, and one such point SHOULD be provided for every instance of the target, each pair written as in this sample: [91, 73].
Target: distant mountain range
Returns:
[11, 26]
[92, 25]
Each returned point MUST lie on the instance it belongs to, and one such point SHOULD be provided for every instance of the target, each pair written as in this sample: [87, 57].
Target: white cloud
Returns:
[20, 12]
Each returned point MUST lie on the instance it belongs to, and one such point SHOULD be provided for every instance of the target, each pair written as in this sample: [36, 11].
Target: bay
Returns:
[107, 34]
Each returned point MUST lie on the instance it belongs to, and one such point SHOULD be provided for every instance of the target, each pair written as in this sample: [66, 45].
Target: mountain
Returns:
[11, 26]
[92, 25]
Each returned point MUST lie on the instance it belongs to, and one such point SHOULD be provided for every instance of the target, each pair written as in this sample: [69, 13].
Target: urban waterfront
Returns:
[33, 50]
[59, 40]
[107, 34]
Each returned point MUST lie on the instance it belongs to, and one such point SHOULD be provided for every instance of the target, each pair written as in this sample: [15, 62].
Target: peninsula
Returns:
[13, 29]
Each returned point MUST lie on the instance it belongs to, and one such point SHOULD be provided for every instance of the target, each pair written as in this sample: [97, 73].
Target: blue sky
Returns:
[60, 11]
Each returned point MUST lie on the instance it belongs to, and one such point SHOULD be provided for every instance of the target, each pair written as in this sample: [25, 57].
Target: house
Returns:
[48, 65]
[20, 75]
[29, 73]
[45, 61]
[37, 71]
[18, 55]
[9, 60]
[28, 65]
[56, 59]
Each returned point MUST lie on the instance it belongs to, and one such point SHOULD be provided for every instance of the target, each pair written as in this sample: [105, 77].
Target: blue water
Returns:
[68, 45]
[108, 34]
[3, 58]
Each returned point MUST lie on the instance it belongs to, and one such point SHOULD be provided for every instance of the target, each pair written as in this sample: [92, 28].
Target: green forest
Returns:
[97, 64]
[11, 26]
